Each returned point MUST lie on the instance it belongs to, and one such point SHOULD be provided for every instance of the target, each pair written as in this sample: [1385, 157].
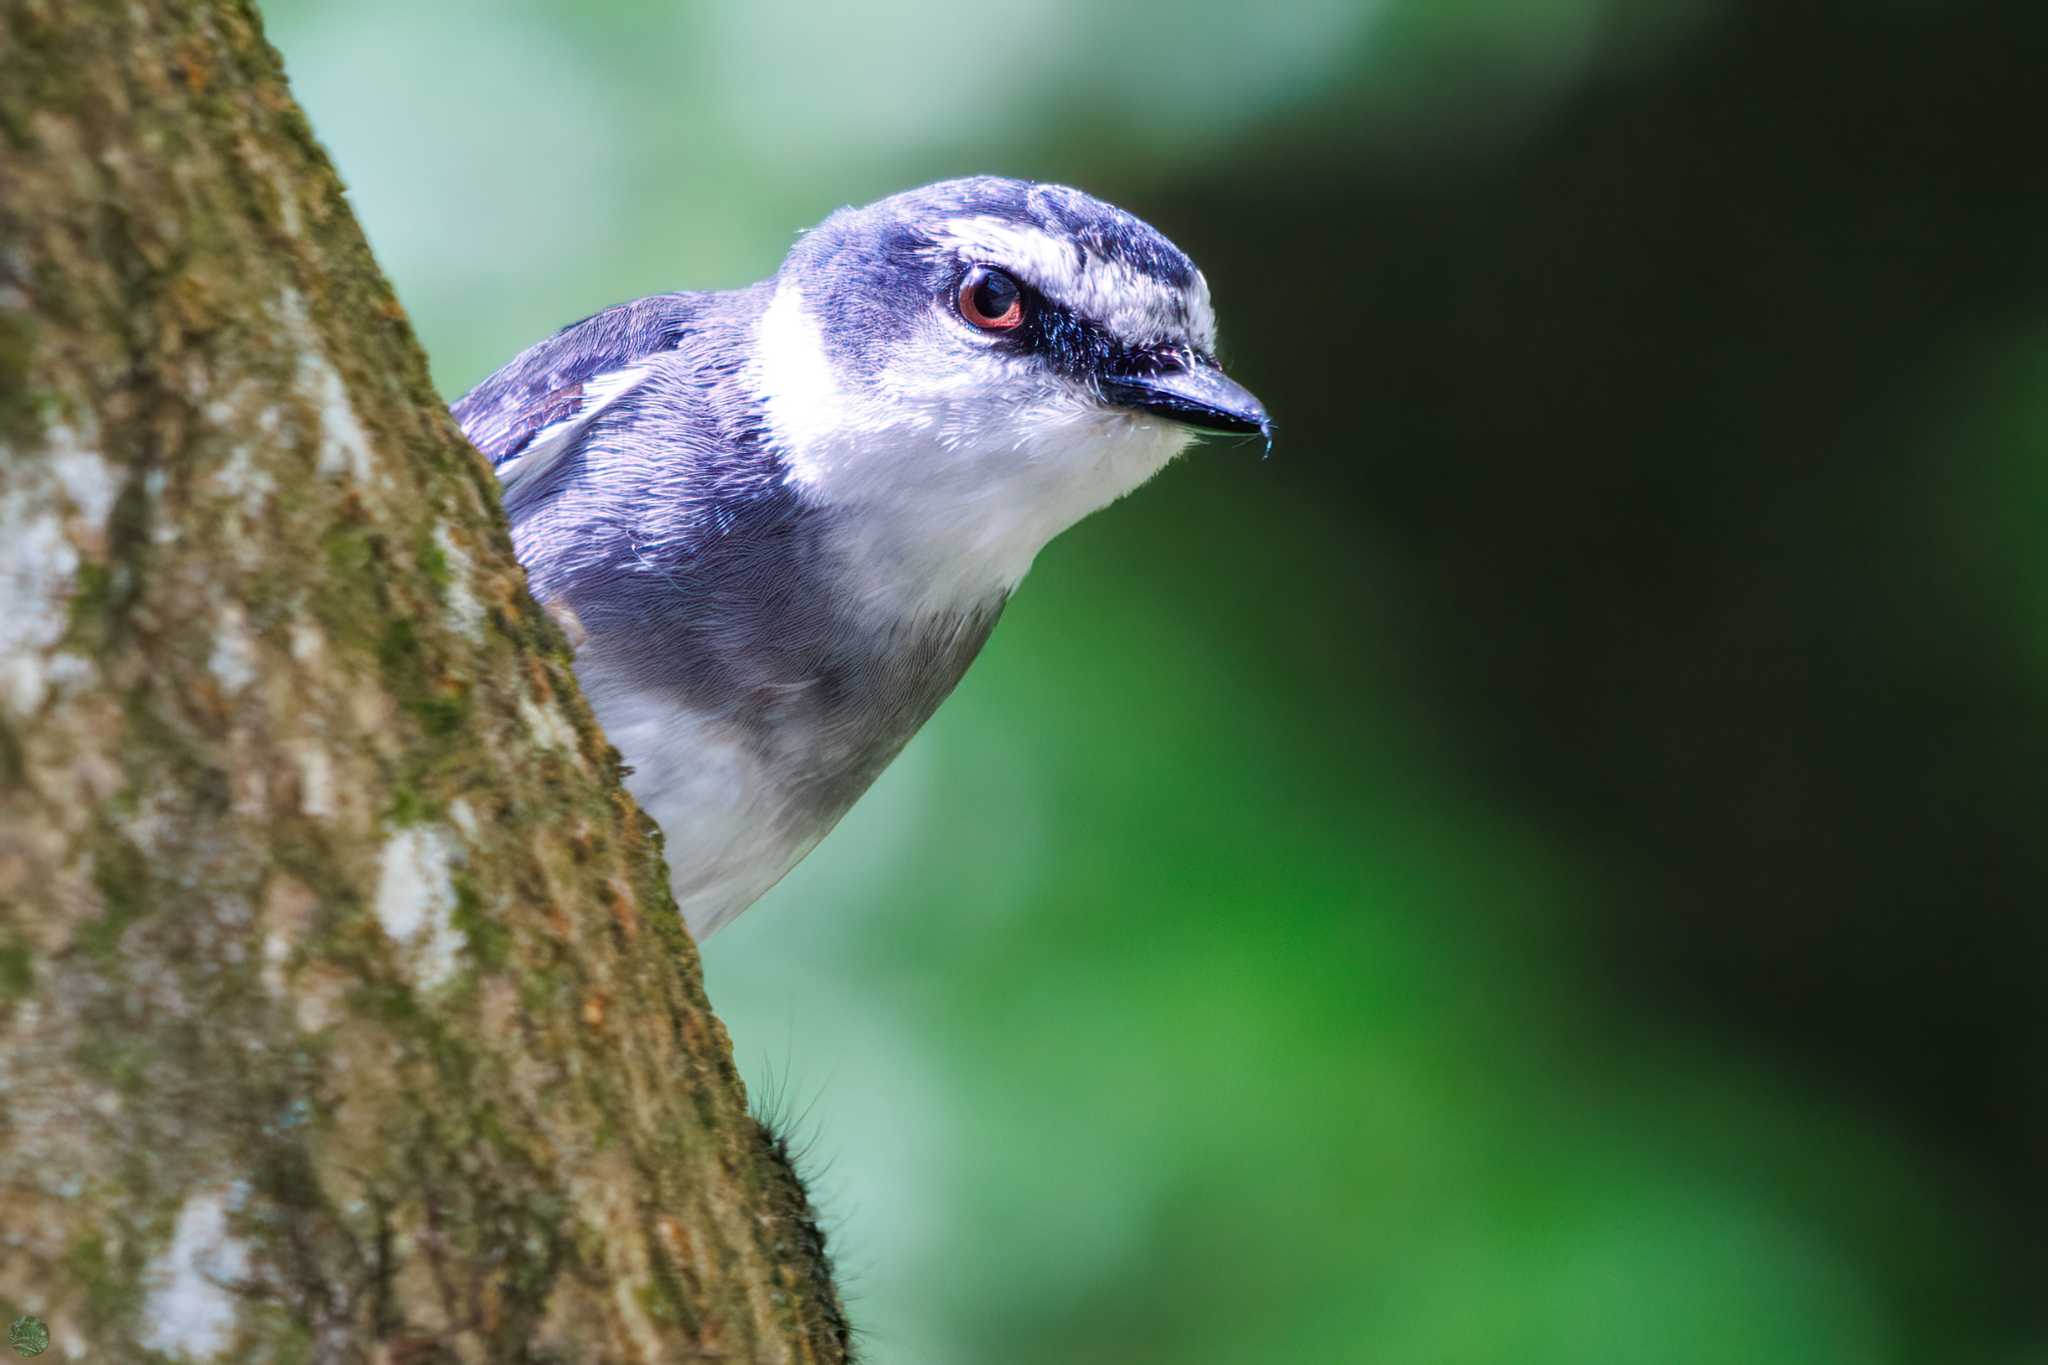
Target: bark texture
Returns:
[344, 1014]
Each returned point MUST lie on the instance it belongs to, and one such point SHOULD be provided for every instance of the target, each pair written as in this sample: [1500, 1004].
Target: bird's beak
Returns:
[1194, 391]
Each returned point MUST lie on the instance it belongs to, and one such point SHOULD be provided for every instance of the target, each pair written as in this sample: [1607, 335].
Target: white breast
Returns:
[727, 825]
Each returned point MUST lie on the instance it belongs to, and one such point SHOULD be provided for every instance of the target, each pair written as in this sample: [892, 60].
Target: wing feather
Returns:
[548, 394]
[579, 405]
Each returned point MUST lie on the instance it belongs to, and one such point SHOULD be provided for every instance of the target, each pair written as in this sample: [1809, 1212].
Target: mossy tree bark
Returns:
[344, 1014]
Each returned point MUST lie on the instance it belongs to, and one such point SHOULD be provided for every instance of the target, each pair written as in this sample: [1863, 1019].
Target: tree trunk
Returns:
[344, 1014]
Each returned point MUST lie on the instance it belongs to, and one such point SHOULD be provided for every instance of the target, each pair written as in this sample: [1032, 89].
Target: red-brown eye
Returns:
[990, 299]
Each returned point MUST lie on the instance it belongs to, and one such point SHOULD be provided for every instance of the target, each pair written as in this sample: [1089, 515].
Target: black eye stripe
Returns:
[1073, 345]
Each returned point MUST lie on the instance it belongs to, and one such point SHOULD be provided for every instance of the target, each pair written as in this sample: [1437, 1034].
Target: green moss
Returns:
[433, 563]
[13, 762]
[442, 710]
[22, 416]
[410, 806]
[107, 1292]
[455, 1060]
[441, 716]
[398, 654]
[119, 1059]
[390, 1003]
[490, 943]
[541, 989]
[91, 605]
[121, 874]
[17, 969]
[348, 596]
[658, 1303]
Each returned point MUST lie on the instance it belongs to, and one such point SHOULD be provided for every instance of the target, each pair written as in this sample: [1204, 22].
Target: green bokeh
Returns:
[1354, 910]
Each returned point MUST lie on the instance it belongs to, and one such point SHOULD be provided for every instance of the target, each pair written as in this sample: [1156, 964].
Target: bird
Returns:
[777, 523]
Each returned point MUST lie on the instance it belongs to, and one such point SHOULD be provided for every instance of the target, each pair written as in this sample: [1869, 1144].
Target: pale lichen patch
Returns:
[89, 482]
[58, 502]
[243, 476]
[37, 566]
[416, 899]
[316, 780]
[233, 660]
[192, 1306]
[548, 725]
[462, 599]
[343, 445]
[305, 641]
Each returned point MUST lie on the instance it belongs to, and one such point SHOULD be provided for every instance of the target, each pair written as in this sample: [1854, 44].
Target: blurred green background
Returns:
[1549, 867]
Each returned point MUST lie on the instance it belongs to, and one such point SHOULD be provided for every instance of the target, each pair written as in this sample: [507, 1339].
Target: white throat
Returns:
[950, 490]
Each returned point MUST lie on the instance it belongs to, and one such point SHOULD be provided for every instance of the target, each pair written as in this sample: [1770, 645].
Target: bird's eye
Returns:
[990, 299]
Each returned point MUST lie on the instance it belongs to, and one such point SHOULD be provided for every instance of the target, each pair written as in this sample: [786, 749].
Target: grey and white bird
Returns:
[779, 522]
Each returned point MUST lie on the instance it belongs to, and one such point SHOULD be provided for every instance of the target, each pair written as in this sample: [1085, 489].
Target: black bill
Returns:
[1198, 394]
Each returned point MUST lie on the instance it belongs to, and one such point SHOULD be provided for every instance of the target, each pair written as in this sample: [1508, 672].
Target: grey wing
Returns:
[528, 415]
[624, 445]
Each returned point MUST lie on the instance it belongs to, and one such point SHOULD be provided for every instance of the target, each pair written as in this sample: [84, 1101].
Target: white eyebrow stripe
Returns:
[1134, 306]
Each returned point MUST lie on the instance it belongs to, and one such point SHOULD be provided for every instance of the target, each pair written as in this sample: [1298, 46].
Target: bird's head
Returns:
[971, 367]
